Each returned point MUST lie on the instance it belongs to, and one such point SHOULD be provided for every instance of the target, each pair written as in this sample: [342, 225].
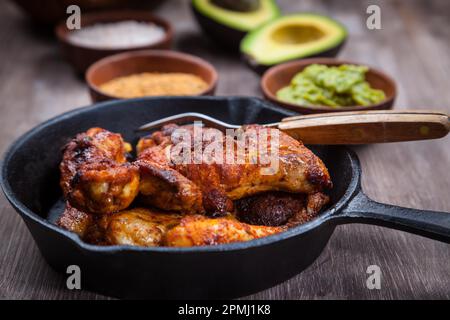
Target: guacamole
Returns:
[341, 86]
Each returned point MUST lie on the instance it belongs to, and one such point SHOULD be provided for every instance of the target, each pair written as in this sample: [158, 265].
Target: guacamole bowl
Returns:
[280, 76]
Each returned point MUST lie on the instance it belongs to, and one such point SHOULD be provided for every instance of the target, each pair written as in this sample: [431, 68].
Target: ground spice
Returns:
[154, 84]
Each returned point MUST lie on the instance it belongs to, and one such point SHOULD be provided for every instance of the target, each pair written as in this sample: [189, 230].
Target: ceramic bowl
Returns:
[81, 57]
[280, 76]
[147, 61]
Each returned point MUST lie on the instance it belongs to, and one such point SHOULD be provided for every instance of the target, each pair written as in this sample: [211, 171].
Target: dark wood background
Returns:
[413, 46]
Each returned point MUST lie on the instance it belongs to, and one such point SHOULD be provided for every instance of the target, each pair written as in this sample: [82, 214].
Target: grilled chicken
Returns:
[75, 220]
[99, 184]
[90, 227]
[137, 226]
[150, 227]
[95, 174]
[146, 227]
[140, 227]
[198, 230]
[278, 208]
[205, 187]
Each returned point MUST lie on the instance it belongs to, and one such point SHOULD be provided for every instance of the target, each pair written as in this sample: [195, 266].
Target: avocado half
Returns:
[292, 37]
[227, 27]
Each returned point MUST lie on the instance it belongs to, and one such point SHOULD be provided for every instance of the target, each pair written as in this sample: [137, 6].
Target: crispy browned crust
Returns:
[140, 227]
[198, 230]
[211, 187]
[151, 227]
[75, 220]
[315, 202]
[165, 188]
[280, 208]
[269, 208]
[90, 227]
[95, 175]
[98, 181]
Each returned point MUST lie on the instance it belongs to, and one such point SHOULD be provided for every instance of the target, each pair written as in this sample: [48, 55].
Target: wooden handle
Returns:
[363, 127]
[348, 113]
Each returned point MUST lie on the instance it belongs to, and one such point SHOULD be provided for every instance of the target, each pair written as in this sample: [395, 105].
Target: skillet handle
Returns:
[430, 224]
[364, 127]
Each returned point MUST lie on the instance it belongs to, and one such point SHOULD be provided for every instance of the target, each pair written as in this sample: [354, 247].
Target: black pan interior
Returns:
[31, 165]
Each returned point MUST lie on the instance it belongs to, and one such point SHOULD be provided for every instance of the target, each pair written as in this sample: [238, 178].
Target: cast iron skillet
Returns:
[30, 182]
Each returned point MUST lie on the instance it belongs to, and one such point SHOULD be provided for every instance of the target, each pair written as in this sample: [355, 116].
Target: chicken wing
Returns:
[198, 230]
[75, 220]
[140, 227]
[90, 227]
[149, 227]
[98, 183]
[210, 187]
[95, 174]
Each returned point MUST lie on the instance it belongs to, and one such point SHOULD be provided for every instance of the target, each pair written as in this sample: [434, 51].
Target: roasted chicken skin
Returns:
[210, 187]
[99, 184]
[90, 227]
[280, 208]
[198, 230]
[150, 227]
[75, 220]
[95, 174]
[140, 227]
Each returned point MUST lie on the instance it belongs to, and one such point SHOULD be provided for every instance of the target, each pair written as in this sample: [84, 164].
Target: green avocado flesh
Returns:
[292, 37]
[239, 20]
[335, 87]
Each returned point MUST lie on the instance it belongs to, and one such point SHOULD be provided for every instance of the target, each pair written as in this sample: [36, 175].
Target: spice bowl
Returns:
[153, 61]
[81, 56]
[281, 75]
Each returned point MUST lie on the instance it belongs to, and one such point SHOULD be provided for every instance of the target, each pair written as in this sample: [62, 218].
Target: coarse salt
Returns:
[117, 35]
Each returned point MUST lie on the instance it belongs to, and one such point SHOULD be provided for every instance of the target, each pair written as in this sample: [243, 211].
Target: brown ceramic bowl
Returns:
[280, 76]
[81, 57]
[147, 61]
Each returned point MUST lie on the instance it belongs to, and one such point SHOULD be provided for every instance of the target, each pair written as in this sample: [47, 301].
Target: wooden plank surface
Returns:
[412, 46]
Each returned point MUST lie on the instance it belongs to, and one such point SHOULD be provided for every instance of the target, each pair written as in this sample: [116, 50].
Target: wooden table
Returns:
[413, 46]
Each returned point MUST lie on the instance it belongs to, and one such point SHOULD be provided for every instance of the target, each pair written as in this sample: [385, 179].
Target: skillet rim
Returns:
[23, 211]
